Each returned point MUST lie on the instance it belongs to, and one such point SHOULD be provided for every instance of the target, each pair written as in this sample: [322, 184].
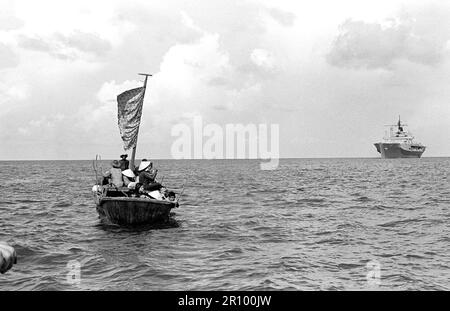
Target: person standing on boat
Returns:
[147, 175]
[114, 175]
[124, 163]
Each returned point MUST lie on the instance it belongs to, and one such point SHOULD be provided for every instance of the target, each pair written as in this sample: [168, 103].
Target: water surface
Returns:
[312, 224]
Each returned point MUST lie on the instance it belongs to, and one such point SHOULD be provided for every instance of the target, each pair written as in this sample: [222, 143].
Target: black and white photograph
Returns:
[240, 146]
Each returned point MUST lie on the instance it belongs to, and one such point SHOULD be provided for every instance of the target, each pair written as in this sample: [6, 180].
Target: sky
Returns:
[330, 73]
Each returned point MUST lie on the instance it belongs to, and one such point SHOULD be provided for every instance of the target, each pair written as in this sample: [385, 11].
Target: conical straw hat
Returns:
[129, 173]
[144, 165]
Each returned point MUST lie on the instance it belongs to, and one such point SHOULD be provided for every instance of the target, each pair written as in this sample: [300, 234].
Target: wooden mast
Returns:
[133, 154]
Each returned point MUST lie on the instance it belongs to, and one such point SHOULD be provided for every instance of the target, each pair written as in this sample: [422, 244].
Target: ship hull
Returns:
[396, 150]
[114, 206]
[134, 211]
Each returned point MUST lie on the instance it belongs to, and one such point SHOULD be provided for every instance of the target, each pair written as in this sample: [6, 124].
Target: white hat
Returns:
[96, 188]
[129, 173]
[144, 165]
[156, 195]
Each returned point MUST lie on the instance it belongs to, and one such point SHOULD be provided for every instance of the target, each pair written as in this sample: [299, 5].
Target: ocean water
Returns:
[311, 224]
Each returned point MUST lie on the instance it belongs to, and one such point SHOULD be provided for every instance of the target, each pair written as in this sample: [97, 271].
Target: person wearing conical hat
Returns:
[142, 166]
[147, 175]
[129, 178]
[114, 175]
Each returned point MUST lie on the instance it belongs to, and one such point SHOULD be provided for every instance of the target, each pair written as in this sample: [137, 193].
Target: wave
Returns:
[310, 224]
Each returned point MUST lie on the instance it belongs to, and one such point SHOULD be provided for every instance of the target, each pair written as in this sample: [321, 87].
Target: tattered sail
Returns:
[129, 115]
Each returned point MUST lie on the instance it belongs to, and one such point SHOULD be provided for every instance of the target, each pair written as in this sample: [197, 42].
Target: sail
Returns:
[129, 115]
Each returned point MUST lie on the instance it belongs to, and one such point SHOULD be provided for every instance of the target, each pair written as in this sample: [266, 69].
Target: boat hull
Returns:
[396, 150]
[134, 211]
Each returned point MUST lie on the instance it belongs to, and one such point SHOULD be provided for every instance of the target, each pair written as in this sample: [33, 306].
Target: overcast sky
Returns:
[331, 73]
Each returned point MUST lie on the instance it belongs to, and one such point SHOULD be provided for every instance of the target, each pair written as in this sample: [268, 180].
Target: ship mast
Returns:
[133, 154]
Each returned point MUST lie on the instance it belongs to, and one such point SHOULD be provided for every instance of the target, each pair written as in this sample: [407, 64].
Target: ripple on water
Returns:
[309, 224]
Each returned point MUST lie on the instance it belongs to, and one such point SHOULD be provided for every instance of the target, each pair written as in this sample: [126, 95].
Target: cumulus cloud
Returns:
[71, 46]
[98, 116]
[12, 96]
[10, 22]
[201, 78]
[178, 25]
[283, 17]
[33, 43]
[85, 42]
[185, 65]
[104, 109]
[109, 90]
[418, 38]
[41, 125]
[262, 58]
[47, 121]
[260, 65]
[192, 78]
[229, 61]
[15, 92]
[7, 57]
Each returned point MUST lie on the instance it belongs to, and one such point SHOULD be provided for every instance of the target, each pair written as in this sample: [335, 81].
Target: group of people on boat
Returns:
[141, 179]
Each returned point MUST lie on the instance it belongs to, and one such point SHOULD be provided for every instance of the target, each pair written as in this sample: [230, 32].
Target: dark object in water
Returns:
[8, 257]
[116, 206]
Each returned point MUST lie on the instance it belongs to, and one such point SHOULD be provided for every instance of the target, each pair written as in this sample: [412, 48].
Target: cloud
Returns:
[8, 58]
[72, 46]
[192, 77]
[47, 121]
[100, 117]
[8, 20]
[12, 96]
[104, 109]
[420, 37]
[262, 58]
[34, 43]
[229, 61]
[44, 125]
[189, 52]
[10, 23]
[109, 90]
[283, 17]
[178, 25]
[85, 42]
[15, 92]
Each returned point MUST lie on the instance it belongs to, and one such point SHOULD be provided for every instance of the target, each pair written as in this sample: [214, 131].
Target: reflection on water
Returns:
[170, 223]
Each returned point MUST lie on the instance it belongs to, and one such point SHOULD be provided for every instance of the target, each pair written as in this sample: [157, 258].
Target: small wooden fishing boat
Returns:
[121, 205]
[117, 206]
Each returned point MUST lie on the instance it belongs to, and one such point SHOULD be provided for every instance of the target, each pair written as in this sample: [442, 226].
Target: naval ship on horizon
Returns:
[399, 144]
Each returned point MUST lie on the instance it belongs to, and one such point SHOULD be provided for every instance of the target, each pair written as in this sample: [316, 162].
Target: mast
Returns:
[133, 154]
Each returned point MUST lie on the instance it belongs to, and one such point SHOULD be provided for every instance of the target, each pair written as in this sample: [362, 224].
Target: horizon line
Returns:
[260, 159]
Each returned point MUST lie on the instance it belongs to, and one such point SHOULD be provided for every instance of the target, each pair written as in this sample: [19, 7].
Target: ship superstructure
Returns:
[399, 143]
